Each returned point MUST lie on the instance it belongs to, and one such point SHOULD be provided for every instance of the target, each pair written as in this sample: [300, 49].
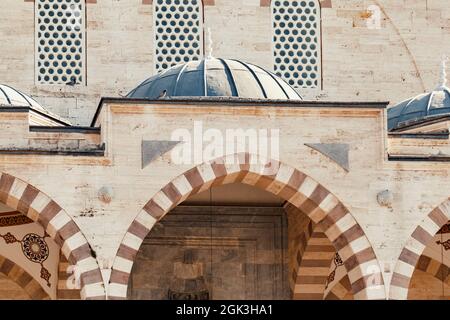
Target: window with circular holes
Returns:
[296, 42]
[178, 32]
[60, 41]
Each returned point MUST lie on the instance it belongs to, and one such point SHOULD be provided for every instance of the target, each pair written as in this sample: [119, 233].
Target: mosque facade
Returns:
[238, 149]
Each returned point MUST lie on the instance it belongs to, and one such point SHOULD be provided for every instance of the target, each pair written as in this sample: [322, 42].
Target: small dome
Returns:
[423, 107]
[426, 106]
[10, 97]
[212, 77]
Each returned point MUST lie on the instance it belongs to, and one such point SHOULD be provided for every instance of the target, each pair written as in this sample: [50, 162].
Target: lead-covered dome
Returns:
[10, 97]
[421, 108]
[212, 77]
[13, 98]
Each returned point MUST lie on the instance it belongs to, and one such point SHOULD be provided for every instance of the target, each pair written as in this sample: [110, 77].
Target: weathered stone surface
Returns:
[338, 152]
[153, 149]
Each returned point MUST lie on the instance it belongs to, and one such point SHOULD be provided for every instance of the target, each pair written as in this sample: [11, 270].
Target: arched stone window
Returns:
[296, 42]
[178, 26]
[60, 41]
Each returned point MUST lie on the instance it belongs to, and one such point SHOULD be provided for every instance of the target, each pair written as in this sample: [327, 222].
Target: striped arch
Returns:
[300, 228]
[311, 253]
[436, 268]
[314, 266]
[341, 290]
[65, 276]
[280, 179]
[338, 283]
[409, 257]
[14, 272]
[36, 205]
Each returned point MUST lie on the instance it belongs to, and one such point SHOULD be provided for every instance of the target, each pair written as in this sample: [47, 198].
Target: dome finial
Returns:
[210, 43]
[443, 74]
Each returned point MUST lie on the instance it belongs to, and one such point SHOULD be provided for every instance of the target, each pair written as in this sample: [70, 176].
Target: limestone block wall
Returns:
[393, 62]
[23, 137]
[16, 125]
[241, 29]
[418, 146]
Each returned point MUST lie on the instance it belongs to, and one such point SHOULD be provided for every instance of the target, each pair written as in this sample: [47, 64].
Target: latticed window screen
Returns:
[178, 32]
[60, 41]
[296, 42]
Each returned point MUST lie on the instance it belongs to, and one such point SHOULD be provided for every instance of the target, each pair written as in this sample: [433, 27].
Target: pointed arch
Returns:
[315, 255]
[65, 275]
[416, 244]
[300, 229]
[17, 274]
[314, 266]
[30, 201]
[282, 180]
[341, 290]
[435, 268]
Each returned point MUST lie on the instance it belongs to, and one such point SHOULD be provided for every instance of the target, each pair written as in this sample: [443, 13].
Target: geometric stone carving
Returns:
[184, 44]
[296, 24]
[67, 37]
[338, 152]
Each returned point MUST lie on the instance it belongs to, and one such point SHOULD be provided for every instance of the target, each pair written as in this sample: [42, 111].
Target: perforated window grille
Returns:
[296, 42]
[60, 41]
[178, 32]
